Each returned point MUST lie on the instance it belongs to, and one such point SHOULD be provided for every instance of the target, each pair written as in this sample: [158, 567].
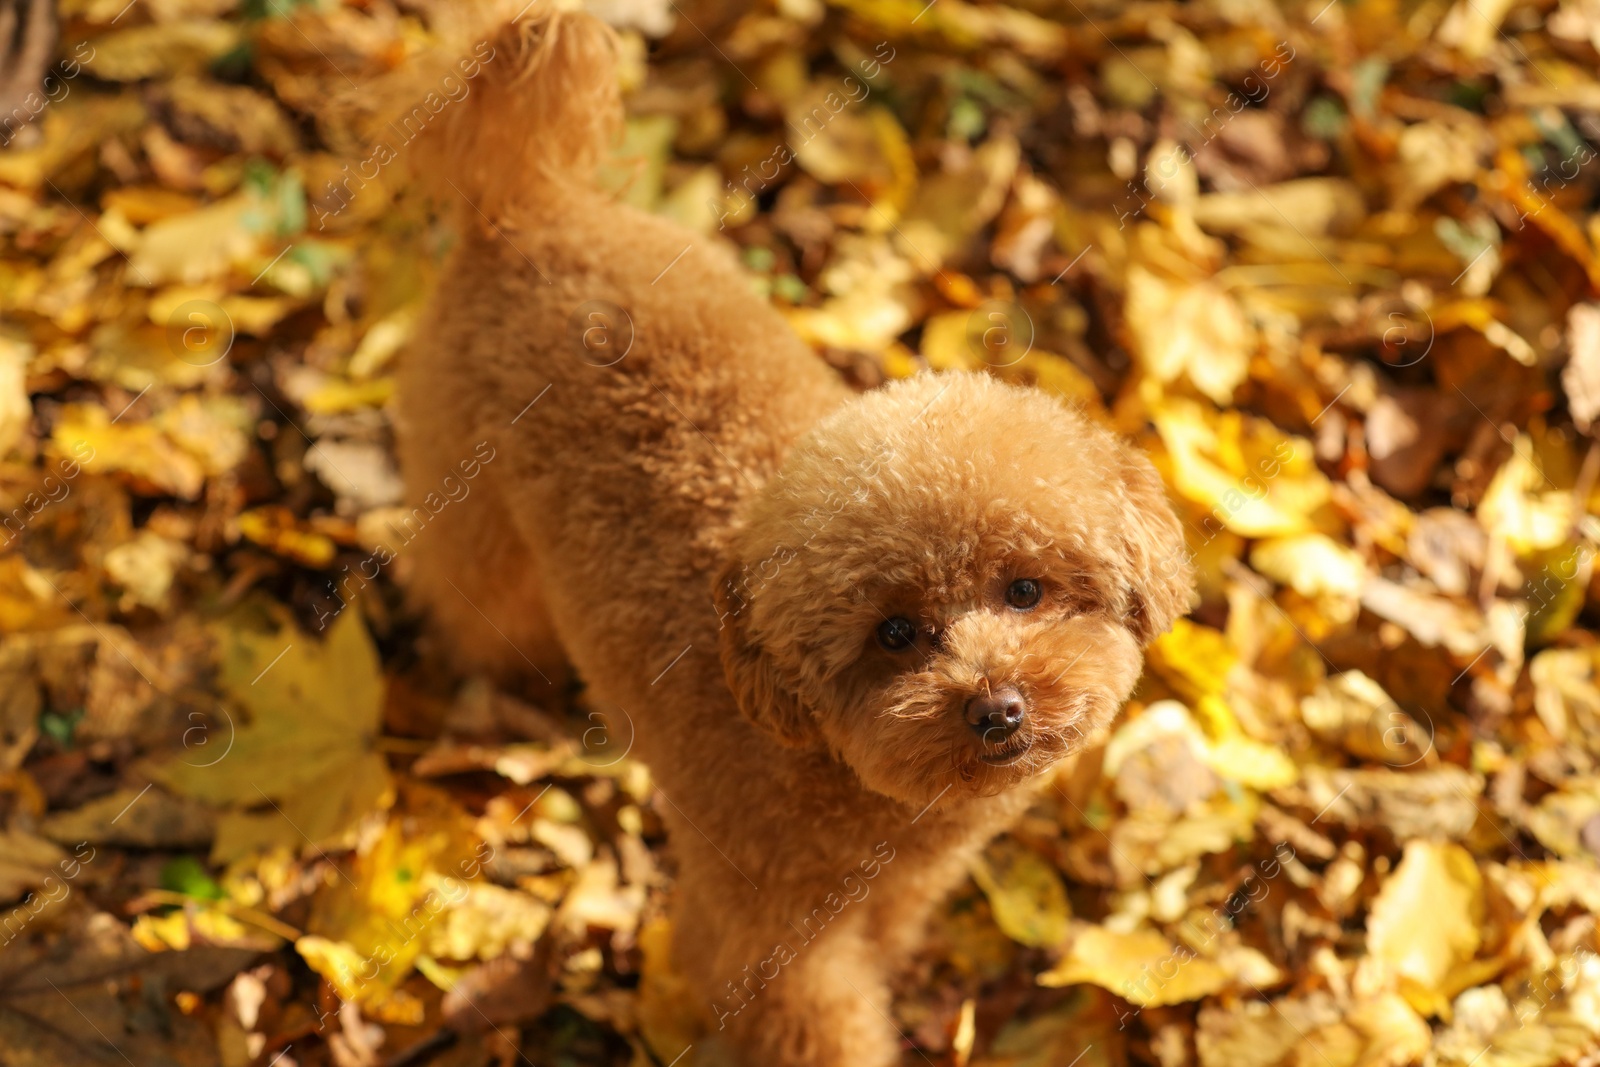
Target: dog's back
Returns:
[631, 385]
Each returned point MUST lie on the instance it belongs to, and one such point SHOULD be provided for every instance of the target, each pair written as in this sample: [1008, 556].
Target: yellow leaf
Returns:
[947, 343]
[1142, 967]
[670, 1013]
[1252, 479]
[870, 303]
[1226, 751]
[1424, 920]
[76, 126]
[1057, 375]
[277, 529]
[1393, 1034]
[833, 141]
[162, 49]
[1026, 895]
[16, 411]
[382, 341]
[303, 763]
[344, 966]
[256, 315]
[1565, 695]
[596, 899]
[138, 449]
[1521, 506]
[1252, 763]
[1193, 659]
[409, 891]
[1355, 713]
[966, 26]
[210, 428]
[1311, 564]
[953, 204]
[1145, 846]
[1194, 330]
[138, 356]
[145, 566]
[1318, 206]
[335, 396]
[179, 929]
[1259, 1033]
[486, 922]
[198, 246]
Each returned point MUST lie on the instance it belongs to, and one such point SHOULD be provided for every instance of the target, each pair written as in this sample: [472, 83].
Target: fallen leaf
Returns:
[1424, 921]
[1142, 967]
[305, 752]
[1025, 895]
[1193, 329]
[1580, 378]
[138, 818]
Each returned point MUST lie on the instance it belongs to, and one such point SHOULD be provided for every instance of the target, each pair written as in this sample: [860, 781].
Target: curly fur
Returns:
[711, 529]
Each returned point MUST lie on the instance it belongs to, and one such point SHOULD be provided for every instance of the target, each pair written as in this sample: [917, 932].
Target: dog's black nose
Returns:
[996, 715]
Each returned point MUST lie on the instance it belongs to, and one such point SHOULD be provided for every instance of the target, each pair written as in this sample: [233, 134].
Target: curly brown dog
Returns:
[854, 633]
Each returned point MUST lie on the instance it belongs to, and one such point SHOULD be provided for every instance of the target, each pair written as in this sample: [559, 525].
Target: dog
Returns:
[854, 633]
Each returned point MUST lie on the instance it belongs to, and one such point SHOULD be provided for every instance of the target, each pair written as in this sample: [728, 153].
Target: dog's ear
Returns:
[761, 695]
[1161, 583]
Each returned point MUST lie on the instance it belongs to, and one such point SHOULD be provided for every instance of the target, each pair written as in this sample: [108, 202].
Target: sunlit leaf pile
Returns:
[1334, 263]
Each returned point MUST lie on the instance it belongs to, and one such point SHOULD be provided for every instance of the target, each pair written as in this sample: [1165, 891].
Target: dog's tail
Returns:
[520, 99]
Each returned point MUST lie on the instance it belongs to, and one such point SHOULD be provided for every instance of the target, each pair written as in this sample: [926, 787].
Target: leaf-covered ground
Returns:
[1334, 263]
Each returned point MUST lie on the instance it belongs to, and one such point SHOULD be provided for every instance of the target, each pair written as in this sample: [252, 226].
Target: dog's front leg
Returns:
[827, 1006]
[781, 995]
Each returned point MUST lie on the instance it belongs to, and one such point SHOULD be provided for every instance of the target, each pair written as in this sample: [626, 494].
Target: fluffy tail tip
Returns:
[517, 98]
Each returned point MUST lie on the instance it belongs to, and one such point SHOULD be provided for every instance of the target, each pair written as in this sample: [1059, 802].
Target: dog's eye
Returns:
[896, 634]
[1023, 594]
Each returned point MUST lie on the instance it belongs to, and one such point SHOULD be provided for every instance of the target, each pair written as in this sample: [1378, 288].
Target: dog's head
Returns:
[949, 584]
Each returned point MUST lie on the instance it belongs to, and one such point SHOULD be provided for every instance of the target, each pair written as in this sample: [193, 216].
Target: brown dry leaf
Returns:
[26, 864]
[1567, 821]
[60, 1002]
[248, 119]
[1083, 1032]
[137, 818]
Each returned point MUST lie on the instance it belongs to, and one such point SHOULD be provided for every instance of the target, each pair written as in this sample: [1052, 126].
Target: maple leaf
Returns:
[302, 770]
